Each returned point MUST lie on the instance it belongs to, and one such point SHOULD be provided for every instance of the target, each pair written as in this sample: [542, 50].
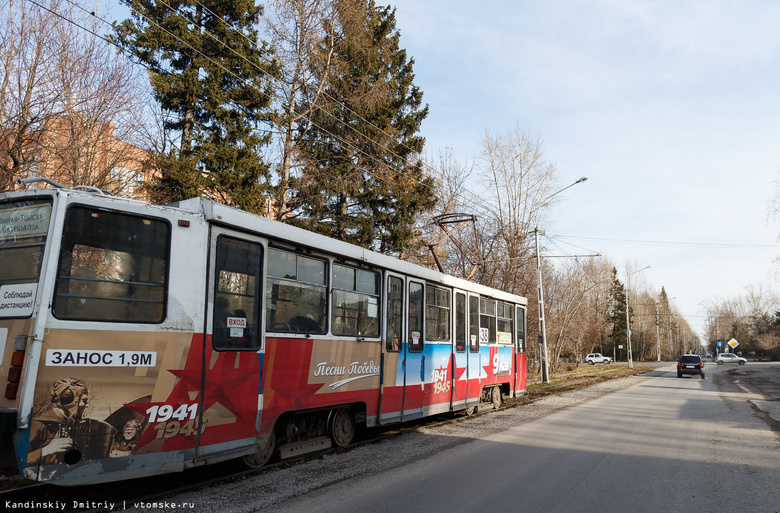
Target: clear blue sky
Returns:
[671, 108]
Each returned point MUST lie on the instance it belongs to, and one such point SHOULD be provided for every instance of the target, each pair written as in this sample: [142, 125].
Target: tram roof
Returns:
[239, 219]
[232, 217]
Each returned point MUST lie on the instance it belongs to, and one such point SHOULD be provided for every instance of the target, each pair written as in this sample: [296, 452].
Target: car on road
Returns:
[730, 358]
[690, 364]
[594, 358]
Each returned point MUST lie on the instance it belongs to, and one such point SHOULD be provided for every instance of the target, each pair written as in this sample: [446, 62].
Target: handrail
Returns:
[34, 179]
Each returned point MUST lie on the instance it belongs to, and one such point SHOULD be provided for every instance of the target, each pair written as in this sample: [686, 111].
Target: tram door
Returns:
[231, 389]
[402, 389]
[414, 352]
[391, 401]
[520, 362]
[460, 367]
[475, 370]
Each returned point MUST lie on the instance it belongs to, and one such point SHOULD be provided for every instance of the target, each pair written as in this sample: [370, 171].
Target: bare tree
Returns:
[451, 228]
[297, 31]
[750, 318]
[26, 44]
[518, 181]
[71, 108]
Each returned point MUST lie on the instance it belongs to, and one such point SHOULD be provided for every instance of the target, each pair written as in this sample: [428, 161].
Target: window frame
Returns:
[444, 312]
[272, 281]
[60, 262]
[336, 289]
[256, 330]
[419, 345]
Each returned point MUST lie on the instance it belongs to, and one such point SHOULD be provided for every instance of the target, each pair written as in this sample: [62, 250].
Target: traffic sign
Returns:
[720, 343]
[733, 343]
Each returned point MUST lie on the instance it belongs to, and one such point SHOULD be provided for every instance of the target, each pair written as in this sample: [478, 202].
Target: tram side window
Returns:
[473, 324]
[437, 314]
[487, 318]
[460, 323]
[296, 293]
[395, 313]
[237, 293]
[504, 322]
[416, 317]
[520, 330]
[112, 267]
[355, 302]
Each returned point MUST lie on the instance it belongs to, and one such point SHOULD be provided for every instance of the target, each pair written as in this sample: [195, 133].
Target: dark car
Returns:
[690, 364]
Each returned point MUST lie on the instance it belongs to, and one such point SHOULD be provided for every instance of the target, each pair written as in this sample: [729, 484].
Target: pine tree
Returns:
[363, 181]
[211, 76]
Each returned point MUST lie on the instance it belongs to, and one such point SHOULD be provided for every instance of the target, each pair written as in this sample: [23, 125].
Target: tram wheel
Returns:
[496, 398]
[342, 426]
[261, 457]
[470, 411]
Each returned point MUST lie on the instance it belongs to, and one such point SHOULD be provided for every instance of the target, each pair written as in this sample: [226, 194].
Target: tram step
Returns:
[298, 448]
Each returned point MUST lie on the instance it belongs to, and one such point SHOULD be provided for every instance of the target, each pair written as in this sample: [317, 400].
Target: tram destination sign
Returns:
[30, 221]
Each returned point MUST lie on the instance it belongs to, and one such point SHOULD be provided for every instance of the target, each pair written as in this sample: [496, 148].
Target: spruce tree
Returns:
[617, 312]
[363, 181]
[210, 75]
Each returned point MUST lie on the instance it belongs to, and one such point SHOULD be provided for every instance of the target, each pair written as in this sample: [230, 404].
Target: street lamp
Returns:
[628, 321]
[540, 292]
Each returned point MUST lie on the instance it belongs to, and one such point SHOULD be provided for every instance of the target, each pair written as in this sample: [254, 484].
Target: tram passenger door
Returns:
[403, 358]
[476, 373]
[460, 368]
[391, 401]
[520, 360]
[414, 352]
[231, 389]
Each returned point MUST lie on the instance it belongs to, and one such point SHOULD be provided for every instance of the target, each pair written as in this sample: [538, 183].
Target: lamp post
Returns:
[540, 292]
[628, 321]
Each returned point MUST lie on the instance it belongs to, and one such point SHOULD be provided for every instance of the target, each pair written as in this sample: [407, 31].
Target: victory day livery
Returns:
[138, 339]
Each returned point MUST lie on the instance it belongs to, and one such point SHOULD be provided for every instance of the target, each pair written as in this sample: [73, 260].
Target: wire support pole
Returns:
[542, 330]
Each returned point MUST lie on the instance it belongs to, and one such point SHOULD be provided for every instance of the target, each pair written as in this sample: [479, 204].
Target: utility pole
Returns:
[540, 297]
[657, 332]
[628, 321]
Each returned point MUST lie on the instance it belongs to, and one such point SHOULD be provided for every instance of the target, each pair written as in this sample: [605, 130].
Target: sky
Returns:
[670, 108]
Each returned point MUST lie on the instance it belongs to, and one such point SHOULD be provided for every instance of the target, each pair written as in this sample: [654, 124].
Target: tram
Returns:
[140, 339]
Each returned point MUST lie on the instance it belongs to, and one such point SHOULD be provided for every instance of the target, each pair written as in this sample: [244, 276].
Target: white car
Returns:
[730, 358]
[594, 358]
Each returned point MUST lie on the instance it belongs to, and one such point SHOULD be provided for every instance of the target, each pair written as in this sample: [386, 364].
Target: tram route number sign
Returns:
[85, 358]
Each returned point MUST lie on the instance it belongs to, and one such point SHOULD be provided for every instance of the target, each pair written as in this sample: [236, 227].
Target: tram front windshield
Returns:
[23, 229]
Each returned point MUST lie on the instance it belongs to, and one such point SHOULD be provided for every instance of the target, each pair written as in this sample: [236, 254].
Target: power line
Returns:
[670, 242]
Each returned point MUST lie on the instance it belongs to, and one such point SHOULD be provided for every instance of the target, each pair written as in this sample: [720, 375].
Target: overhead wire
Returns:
[474, 196]
[185, 44]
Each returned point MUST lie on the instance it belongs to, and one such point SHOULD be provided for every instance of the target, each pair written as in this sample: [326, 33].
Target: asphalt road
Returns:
[649, 443]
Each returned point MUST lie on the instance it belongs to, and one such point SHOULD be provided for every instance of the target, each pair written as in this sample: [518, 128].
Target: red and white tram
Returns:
[138, 339]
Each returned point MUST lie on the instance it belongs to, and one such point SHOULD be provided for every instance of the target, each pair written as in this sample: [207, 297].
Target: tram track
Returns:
[125, 494]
